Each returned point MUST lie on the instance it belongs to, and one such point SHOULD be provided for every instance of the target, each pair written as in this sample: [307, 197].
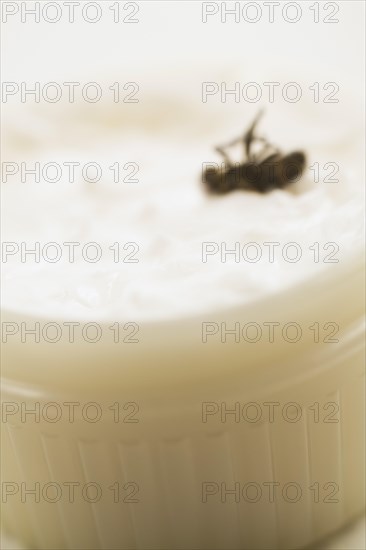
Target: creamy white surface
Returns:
[169, 134]
[168, 214]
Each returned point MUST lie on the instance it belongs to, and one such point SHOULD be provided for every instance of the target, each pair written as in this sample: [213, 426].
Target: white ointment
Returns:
[178, 264]
[177, 368]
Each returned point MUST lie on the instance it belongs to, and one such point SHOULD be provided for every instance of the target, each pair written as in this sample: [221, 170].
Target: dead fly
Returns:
[261, 171]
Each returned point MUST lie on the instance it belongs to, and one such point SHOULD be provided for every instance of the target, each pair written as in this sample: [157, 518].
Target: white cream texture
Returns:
[169, 133]
[169, 215]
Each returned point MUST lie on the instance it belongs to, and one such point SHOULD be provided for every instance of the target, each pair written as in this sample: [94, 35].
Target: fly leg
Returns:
[247, 139]
[249, 135]
[225, 156]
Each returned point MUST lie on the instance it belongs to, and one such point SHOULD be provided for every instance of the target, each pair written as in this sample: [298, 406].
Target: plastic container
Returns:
[190, 475]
